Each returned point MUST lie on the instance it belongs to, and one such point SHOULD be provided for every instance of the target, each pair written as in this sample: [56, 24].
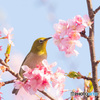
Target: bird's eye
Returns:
[40, 41]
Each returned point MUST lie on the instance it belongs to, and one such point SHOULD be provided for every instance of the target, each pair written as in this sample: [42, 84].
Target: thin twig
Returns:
[97, 10]
[84, 77]
[97, 62]
[43, 92]
[8, 82]
[87, 78]
[83, 34]
[10, 70]
[3, 63]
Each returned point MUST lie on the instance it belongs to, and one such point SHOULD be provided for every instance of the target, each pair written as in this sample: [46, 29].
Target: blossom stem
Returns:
[97, 10]
[10, 70]
[8, 82]
[87, 78]
[97, 62]
[83, 34]
[43, 92]
[3, 38]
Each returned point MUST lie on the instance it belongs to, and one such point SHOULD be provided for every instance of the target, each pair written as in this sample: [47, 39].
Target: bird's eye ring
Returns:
[40, 41]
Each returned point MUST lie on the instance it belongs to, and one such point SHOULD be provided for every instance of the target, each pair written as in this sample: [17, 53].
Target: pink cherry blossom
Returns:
[0, 48]
[45, 83]
[41, 77]
[69, 46]
[18, 84]
[45, 63]
[74, 35]
[87, 21]
[0, 96]
[73, 26]
[78, 19]
[8, 35]
[67, 34]
[58, 80]
[28, 71]
[61, 27]
[28, 87]
[0, 33]
[78, 97]
[91, 97]
[57, 41]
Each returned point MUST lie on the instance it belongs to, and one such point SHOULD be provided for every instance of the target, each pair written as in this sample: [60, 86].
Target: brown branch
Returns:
[96, 10]
[84, 77]
[8, 82]
[83, 34]
[3, 63]
[10, 70]
[43, 92]
[87, 78]
[97, 62]
[92, 50]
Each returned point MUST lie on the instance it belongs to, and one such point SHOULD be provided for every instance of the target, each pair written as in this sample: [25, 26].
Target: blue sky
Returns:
[32, 19]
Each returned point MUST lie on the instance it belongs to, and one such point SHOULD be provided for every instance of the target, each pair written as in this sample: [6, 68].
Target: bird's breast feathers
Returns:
[33, 59]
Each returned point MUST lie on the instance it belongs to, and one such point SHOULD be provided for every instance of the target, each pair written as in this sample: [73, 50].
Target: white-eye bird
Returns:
[35, 56]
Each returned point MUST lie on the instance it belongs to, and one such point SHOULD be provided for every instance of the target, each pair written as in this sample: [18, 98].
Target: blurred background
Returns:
[32, 19]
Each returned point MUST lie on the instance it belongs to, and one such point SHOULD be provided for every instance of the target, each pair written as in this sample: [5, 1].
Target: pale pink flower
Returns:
[78, 97]
[0, 33]
[74, 35]
[18, 84]
[60, 75]
[87, 21]
[47, 69]
[73, 26]
[91, 98]
[78, 43]
[28, 72]
[58, 80]
[0, 96]
[57, 41]
[8, 35]
[75, 53]
[45, 84]
[37, 77]
[78, 19]
[45, 63]
[0, 48]
[28, 87]
[61, 27]
[68, 43]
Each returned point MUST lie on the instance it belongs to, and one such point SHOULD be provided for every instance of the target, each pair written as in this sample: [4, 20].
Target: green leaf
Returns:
[8, 49]
[74, 75]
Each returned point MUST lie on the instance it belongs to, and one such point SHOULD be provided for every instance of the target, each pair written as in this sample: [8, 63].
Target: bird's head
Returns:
[39, 45]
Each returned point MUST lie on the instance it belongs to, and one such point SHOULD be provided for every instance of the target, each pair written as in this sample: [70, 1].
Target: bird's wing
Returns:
[21, 71]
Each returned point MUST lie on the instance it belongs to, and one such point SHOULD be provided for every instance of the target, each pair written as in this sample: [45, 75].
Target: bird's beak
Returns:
[47, 38]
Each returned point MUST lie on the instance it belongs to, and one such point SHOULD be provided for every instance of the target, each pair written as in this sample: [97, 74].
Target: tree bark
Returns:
[92, 50]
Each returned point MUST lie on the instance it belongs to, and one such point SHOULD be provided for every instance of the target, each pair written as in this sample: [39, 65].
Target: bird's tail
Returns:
[15, 91]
